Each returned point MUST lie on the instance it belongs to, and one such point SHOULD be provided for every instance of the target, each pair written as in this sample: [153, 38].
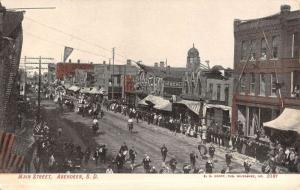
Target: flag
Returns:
[9, 162]
[67, 52]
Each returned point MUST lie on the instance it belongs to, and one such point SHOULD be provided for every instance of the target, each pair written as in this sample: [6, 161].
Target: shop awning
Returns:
[288, 120]
[74, 88]
[85, 90]
[218, 106]
[96, 91]
[159, 102]
[192, 105]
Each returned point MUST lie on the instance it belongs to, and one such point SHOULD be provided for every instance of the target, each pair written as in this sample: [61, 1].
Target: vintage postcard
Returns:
[95, 93]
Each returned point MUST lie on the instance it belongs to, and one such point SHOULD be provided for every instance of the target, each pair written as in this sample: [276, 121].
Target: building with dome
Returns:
[193, 59]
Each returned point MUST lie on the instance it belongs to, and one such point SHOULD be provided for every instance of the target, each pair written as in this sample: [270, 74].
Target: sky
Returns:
[147, 30]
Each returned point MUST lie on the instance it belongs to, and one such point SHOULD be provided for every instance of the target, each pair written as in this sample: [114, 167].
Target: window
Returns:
[296, 45]
[218, 92]
[193, 86]
[210, 91]
[243, 84]
[186, 87]
[262, 85]
[244, 50]
[273, 84]
[263, 49]
[253, 48]
[275, 46]
[226, 92]
[252, 83]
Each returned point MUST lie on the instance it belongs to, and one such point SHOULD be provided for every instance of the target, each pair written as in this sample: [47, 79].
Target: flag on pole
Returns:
[9, 162]
[67, 52]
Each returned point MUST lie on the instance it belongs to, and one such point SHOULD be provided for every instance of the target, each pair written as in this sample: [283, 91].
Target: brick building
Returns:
[67, 70]
[267, 69]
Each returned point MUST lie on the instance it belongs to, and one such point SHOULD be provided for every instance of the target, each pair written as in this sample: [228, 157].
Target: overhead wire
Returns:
[63, 45]
[76, 37]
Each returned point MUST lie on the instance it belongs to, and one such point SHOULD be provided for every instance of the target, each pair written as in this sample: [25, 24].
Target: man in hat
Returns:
[193, 157]
[164, 152]
[119, 161]
[124, 149]
[132, 156]
[102, 151]
[96, 155]
[247, 165]
[173, 163]
[228, 158]
[211, 150]
[146, 163]
[209, 166]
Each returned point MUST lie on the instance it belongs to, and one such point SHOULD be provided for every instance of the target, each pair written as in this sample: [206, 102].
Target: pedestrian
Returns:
[120, 162]
[146, 163]
[164, 152]
[51, 163]
[211, 151]
[102, 153]
[228, 158]
[137, 117]
[59, 131]
[153, 170]
[173, 163]
[132, 156]
[96, 156]
[87, 155]
[247, 165]
[186, 168]
[109, 170]
[193, 157]
[209, 166]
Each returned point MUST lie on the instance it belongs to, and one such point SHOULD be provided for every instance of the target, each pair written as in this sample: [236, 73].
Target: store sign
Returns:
[173, 84]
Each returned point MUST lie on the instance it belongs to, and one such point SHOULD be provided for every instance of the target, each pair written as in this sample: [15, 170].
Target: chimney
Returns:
[78, 61]
[285, 8]
[70, 61]
[104, 62]
[128, 61]
[162, 64]
[155, 64]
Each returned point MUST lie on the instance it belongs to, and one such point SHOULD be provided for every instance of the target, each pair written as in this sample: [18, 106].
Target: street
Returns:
[146, 139]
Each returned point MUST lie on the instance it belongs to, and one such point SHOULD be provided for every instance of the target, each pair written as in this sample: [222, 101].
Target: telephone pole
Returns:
[113, 73]
[40, 79]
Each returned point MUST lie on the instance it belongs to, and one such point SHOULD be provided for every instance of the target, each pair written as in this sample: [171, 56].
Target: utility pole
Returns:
[40, 79]
[112, 81]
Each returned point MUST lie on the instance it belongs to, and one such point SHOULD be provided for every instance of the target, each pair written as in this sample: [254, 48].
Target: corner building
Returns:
[267, 69]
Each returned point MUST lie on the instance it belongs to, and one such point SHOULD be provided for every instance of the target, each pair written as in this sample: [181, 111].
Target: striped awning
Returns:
[288, 120]
[74, 88]
[192, 105]
[158, 102]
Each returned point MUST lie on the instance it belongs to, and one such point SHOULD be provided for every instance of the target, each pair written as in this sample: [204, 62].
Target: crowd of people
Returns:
[271, 155]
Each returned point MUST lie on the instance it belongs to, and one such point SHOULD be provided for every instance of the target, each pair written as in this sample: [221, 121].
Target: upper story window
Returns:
[252, 83]
[273, 84]
[243, 84]
[262, 84]
[263, 49]
[252, 50]
[275, 47]
[210, 90]
[244, 50]
[296, 45]
[218, 92]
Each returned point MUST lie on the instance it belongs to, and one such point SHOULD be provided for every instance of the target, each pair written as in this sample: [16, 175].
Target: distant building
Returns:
[51, 72]
[160, 80]
[66, 71]
[267, 68]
